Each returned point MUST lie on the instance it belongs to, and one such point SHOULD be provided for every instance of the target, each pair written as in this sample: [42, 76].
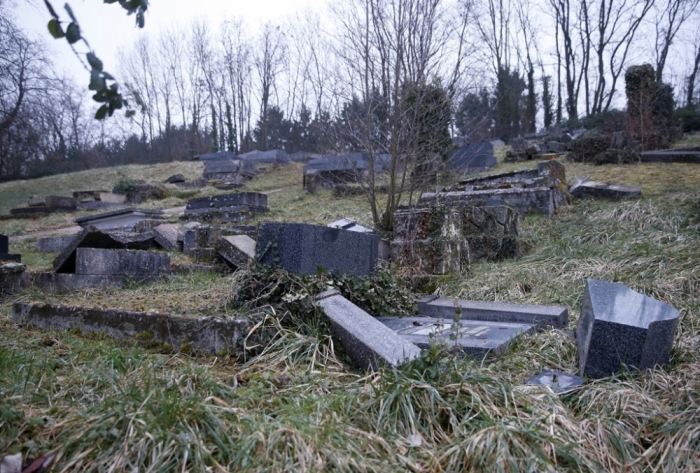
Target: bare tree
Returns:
[668, 19]
[269, 60]
[237, 63]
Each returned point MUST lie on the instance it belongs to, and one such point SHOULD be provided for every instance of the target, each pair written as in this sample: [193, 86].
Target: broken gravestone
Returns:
[134, 263]
[306, 249]
[370, 343]
[472, 337]
[620, 328]
[237, 250]
[582, 187]
[10, 277]
[122, 219]
[166, 235]
[539, 315]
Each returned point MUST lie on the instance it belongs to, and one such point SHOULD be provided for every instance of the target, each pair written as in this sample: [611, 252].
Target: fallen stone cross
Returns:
[369, 342]
[621, 328]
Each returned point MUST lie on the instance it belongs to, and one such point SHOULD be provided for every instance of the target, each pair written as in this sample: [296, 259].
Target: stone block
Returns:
[42, 210]
[213, 335]
[86, 196]
[370, 343]
[475, 338]
[166, 235]
[110, 198]
[203, 255]
[537, 200]
[619, 327]
[10, 277]
[538, 315]
[255, 201]
[132, 263]
[35, 201]
[552, 168]
[119, 219]
[94, 238]
[57, 201]
[303, 249]
[586, 188]
[237, 250]
[52, 244]
[231, 214]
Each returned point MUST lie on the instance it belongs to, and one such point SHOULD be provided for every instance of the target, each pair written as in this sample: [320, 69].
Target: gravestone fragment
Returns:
[585, 188]
[166, 235]
[369, 342]
[619, 328]
[10, 277]
[304, 249]
[122, 219]
[237, 250]
[52, 244]
[59, 202]
[133, 263]
[473, 337]
[557, 381]
[538, 315]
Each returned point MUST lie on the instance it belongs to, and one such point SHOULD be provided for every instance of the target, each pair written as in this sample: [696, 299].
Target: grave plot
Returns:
[46, 205]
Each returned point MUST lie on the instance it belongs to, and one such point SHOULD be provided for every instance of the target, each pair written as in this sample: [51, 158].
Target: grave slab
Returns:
[472, 337]
[52, 244]
[303, 249]
[166, 235]
[132, 263]
[370, 343]
[255, 201]
[539, 315]
[94, 238]
[687, 155]
[557, 381]
[57, 201]
[621, 328]
[537, 200]
[585, 188]
[123, 218]
[213, 335]
[237, 250]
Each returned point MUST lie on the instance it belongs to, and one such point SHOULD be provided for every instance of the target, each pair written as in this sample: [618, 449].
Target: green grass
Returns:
[300, 405]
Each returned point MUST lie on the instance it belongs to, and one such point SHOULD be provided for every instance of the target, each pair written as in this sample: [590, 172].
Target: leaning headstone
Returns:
[305, 249]
[473, 337]
[369, 342]
[585, 188]
[237, 250]
[557, 381]
[5, 251]
[121, 262]
[539, 315]
[620, 328]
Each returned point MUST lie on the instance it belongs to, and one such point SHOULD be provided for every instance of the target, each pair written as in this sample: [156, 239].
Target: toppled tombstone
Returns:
[118, 219]
[472, 158]
[582, 187]
[36, 201]
[352, 226]
[94, 238]
[144, 191]
[681, 155]
[10, 277]
[538, 315]
[86, 196]
[557, 381]
[237, 250]
[66, 203]
[306, 249]
[199, 241]
[527, 154]
[52, 244]
[369, 342]
[167, 235]
[134, 263]
[475, 338]
[621, 328]
[175, 179]
[587, 147]
[442, 240]
[5, 251]
[329, 171]
[213, 335]
[226, 208]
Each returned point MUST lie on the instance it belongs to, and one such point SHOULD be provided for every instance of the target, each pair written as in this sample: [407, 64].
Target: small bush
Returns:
[588, 146]
[689, 118]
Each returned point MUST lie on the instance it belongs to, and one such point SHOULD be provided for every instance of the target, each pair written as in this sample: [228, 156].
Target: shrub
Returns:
[588, 146]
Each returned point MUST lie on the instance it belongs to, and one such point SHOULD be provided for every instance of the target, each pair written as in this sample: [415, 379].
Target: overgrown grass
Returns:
[300, 405]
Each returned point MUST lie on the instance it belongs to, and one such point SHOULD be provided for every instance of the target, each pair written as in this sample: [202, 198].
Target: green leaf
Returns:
[102, 112]
[94, 61]
[73, 33]
[55, 29]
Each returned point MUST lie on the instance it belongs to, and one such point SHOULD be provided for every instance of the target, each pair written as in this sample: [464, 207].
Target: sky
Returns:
[108, 28]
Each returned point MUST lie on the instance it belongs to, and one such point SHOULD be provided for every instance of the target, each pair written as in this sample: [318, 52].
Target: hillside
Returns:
[301, 405]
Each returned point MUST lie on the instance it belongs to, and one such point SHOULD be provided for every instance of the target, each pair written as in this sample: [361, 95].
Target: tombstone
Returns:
[369, 342]
[10, 277]
[237, 250]
[166, 235]
[35, 201]
[472, 158]
[472, 337]
[52, 244]
[585, 188]
[118, 219]
[58, 202]
[5, 251]
[305, 249]
[134, 263]
[621, 328]
[110, 198]
[538, 315]
[689, 155]
[254, 201]
[558, 381]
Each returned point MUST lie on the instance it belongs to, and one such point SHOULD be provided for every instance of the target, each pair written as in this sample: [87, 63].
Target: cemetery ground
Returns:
[300, 404]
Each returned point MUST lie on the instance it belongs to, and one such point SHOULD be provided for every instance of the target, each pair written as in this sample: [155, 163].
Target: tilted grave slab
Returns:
[585, 188]
[370, 343]
[473, 337]
[237, 250]
[540, 316]
[134, 263]
[621, 328]
[166, 235]
[305, 249]
[118, 219]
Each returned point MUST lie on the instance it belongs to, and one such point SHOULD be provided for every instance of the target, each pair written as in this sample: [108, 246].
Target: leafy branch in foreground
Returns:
[102, 82]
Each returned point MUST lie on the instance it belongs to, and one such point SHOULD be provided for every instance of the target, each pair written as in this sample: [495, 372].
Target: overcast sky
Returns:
[107, 27]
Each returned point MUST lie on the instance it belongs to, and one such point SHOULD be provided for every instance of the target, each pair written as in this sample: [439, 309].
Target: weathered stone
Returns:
[118, 219]
[203, 255]
[175, 179]
[475, 338]
[56, 201]
[519, 144]
[237, 250]
[303, 249]
[132, 263]
[10, 277]
[554, 169]
[86, 196]
[35, 201]
[369, 342]
[4, 244]
[557, 381]
[472, 158]
[537, 315]
[94, 238]
[110, 198]
[586, 188]
[538, 200]
[688, 155]
[52, 244]
[220, 215]
[166, 235]
[621, 328]
[64, 282]
[255, 201]
[212, 335]
[30, 211]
